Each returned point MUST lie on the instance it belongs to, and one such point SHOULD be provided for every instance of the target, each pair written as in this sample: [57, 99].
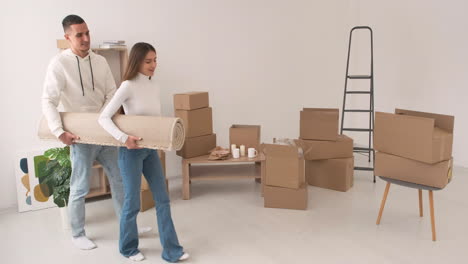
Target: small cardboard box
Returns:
[324, 149]
[162, 158]
[420, 136]
[319, 123]
[284, 166]
[248, 135]
[197, 146]
[146, 200]
[197, 122]
[63, 44]
[286, 198]
[334, 174]
[435, 175]
[191, 100]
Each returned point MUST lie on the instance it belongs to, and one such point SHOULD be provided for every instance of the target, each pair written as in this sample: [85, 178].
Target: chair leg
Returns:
[420, 203]
[382, 205]
[431, 206]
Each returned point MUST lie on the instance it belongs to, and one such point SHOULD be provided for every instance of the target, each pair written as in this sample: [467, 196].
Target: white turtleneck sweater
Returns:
[139, 96]
[75, 84]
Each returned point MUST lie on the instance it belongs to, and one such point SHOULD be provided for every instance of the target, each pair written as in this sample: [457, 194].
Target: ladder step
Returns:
[358, 110]
[358, 129]
[364, 168]
[358, 92]
[363, 149]
[359, 76]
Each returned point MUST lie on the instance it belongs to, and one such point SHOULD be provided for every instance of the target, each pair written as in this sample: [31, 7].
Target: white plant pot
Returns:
[64, 216]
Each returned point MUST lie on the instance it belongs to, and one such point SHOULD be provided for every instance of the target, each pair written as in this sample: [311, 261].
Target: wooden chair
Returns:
[420, 189]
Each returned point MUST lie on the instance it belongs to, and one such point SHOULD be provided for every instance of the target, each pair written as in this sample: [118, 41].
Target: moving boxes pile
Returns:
[193, 108]
[415, 147]
[329, 161]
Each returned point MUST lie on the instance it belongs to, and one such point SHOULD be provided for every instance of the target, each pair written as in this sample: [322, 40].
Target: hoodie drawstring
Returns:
[92, 75]
[79, 71]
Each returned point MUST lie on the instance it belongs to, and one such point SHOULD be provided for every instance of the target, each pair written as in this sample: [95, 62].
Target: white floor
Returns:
[225, 222]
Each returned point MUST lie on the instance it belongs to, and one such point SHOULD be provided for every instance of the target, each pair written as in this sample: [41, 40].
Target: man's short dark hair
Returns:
[71, 20]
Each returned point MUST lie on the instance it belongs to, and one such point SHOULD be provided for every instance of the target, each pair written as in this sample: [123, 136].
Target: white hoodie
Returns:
[78, 84]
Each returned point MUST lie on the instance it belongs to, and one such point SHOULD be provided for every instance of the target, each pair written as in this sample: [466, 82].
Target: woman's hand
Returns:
[131, 142]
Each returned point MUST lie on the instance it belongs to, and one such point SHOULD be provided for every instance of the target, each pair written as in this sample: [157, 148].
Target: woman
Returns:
[139, 95]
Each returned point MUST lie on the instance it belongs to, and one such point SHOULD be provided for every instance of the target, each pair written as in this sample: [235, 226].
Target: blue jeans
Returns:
[132, 163]
[82, 159]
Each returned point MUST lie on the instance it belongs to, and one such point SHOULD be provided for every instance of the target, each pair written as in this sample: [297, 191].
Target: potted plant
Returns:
[55, 172]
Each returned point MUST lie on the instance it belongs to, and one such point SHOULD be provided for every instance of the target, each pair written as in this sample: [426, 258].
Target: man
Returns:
[81, 81]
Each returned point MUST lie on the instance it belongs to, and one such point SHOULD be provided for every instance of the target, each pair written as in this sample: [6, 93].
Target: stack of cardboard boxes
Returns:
[193, 108]
[285, 185]
[414, 147]
[329, 161]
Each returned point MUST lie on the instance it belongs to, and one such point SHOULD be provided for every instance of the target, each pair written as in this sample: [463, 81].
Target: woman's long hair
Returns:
[137, 56]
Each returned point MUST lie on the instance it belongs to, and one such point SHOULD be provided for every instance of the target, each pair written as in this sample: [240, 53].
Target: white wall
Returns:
[261, 60]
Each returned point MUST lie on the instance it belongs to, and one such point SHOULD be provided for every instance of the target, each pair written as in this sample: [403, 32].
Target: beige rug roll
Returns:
[165, 133]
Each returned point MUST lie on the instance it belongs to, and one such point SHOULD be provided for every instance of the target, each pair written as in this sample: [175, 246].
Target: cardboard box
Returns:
[197, 146]
[286, 198]
[414, 135]
[334, 174]
[162, 158]
[319, 123]
[197, 122]
[191, 100]
[435, 175]
[146, 200]
[324, 149]
[284, 166]
[63, 44]
[248, 135]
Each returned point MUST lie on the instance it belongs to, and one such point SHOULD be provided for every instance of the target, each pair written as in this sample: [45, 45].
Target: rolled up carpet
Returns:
[165, 133]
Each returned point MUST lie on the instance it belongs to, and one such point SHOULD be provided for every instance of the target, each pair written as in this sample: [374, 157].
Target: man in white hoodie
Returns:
[81, 81]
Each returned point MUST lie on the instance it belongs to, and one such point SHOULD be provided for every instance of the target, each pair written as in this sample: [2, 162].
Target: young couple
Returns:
[81, 81]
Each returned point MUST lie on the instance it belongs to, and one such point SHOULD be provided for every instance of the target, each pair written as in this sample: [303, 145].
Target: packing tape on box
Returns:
[164, 133]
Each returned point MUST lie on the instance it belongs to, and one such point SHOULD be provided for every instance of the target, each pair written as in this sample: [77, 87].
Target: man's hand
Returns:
[131, 142]
[68, 138]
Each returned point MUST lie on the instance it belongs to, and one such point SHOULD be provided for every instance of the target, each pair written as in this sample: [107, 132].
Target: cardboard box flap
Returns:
[283, 147]
[444, 122]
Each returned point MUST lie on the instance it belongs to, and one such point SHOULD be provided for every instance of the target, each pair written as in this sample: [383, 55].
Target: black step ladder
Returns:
[369, 150]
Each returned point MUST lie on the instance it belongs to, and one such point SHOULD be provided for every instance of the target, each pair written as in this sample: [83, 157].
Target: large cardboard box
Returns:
[248, 135]
[284, 166]
[420, 136]
[325, 149]
[162, 158]
[334, 174]
[191, 100]
[197, 146]
[286, 198]
[436, 175]
[197, 122]
[319, 123]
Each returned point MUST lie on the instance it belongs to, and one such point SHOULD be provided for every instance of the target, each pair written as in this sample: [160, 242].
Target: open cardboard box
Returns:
[420, 136]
